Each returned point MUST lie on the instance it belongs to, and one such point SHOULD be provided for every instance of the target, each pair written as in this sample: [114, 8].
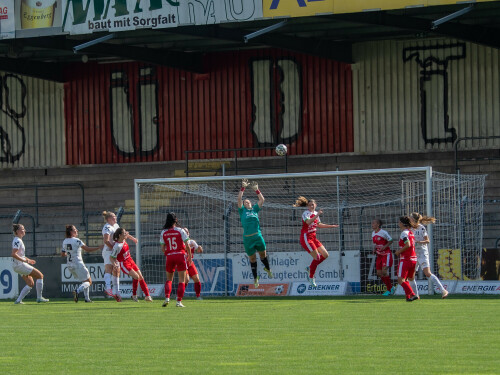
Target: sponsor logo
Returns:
[262, 290]
[322, 289]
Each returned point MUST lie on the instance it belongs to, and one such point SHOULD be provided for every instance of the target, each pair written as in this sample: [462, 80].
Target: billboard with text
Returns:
[81, 17]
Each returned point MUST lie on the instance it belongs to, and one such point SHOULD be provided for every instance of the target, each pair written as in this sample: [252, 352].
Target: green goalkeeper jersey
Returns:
[250, 220]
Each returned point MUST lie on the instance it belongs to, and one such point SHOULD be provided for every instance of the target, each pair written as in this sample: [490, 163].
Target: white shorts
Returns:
[423, 259]
[106, 256]
[22, 268]
[79, 272]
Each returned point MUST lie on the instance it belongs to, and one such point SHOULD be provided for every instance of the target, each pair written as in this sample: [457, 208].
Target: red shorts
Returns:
[128, 265]
[192, 270]
[384, 260]
[176, 260]
[309, 243]
[406, 268]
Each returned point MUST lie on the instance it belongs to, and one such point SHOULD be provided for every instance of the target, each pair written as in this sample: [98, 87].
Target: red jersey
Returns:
[121, 251]
[173, 239]
[310, 229]
[409, 254]
[380, 239]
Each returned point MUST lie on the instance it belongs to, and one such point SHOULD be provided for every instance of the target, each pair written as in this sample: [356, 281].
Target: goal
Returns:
[351, 199]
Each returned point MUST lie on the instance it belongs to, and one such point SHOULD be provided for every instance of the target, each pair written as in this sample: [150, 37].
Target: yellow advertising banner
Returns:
[303, 8]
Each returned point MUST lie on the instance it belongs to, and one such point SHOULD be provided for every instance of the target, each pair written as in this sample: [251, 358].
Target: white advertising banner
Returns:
[290, 267]
[9, 280]
[423, 287]
[96, 270]
[7, 21]
[478, 287]
[322, 288]
[155, 290]
[85, 17]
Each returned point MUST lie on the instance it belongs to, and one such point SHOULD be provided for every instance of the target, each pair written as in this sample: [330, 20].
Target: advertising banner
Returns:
[302, 8]
[290, 267]
[96, 270]
[37, 18]
[423, 287]
[85, 17]
[211, 271]
[269, 290]
[322, 288]
[9, 280]
[478, 287]
[7, 23]
[155, 290]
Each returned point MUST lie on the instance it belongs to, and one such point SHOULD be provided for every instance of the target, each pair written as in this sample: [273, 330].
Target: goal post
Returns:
[351, 199]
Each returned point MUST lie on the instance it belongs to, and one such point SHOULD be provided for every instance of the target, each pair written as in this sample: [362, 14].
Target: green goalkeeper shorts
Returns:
[253, 244]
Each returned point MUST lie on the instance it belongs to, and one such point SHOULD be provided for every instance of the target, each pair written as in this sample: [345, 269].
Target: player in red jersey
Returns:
[308, 240]
[121, 253]
[407, 257]
[192, 272]
[383, 242]
[175, 245]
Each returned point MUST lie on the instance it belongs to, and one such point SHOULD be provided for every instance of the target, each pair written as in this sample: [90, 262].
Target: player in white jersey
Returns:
[421, 241]
[110, 270]
[22, 265]
[72, 249]
[192, 272]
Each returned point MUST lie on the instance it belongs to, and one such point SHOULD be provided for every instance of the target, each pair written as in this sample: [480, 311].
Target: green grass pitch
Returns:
[345, 335]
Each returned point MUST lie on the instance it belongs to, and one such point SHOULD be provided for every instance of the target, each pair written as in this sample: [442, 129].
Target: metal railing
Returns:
[37, 204]
[235, 152]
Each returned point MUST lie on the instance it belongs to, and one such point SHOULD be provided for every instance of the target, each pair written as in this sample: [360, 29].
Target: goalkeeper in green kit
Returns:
[252, 236]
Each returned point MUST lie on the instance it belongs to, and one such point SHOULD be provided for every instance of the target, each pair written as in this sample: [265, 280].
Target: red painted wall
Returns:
[130, 112]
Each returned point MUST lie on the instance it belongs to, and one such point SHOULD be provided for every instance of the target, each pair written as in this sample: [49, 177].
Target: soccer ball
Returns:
[281, 150]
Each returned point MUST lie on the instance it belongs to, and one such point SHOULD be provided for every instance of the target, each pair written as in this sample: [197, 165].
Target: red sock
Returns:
[321, 259]
[387, 282]
[168, 288]
[134, 286]
[312, 268]
[144, 287]
[180, 291]
[408, 290]
[197, 288]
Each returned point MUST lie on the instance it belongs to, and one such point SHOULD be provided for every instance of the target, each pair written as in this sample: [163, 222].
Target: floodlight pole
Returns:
[451, 16]
[92, 42]
[265, 30]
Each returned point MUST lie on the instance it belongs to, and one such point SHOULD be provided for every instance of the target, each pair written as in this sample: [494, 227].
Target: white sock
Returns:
[86, 292]
[107, 280]
[23, 293]
[39, 288]
[116, 285]
[84, 286]
[436, 282]
[413, 285]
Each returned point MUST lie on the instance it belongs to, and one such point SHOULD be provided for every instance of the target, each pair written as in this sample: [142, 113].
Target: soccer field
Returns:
[346, 335]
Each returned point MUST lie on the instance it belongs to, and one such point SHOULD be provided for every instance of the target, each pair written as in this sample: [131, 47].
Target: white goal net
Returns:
[351, 199]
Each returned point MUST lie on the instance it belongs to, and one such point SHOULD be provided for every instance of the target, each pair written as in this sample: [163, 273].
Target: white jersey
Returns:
[109, 229]
[420, 233]
[18, 244]
[73, 249]
[192, 244]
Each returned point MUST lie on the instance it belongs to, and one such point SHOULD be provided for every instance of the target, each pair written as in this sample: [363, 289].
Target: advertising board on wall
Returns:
[9, 280]
[7, 24]
[290, 267]
[37, 18]
[302, 8]
[81, 17]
